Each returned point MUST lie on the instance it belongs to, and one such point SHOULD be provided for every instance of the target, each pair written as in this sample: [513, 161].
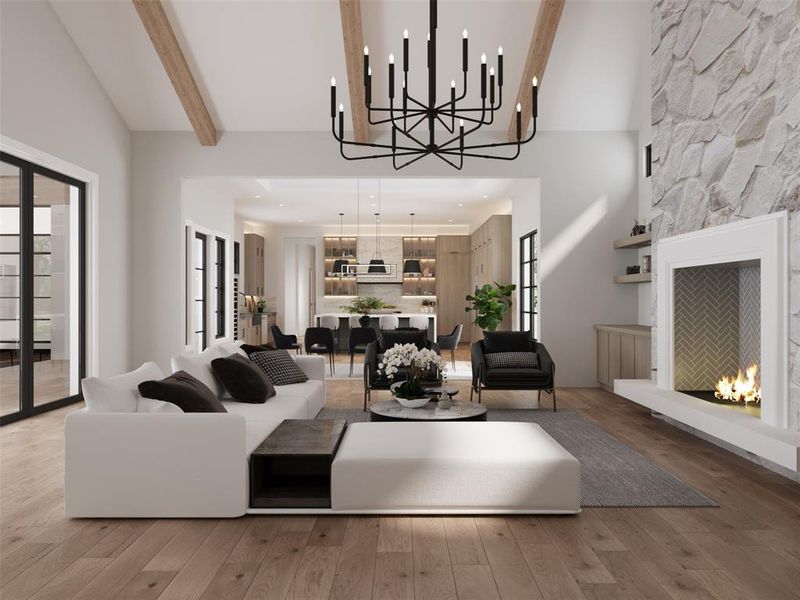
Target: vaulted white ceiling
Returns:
[266, 65]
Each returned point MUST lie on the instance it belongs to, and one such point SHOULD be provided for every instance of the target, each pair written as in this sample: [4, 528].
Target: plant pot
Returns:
[364, 320]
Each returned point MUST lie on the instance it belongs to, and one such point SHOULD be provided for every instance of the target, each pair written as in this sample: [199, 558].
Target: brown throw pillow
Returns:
[244, 381]
[251, 349]
[183, 390]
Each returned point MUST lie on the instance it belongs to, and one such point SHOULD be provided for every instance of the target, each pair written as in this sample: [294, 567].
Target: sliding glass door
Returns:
[41, 289]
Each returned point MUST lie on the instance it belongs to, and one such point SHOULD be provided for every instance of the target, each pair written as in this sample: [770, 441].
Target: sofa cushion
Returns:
[243, 380]
[279, 367]
[313, 391]
[119, 393]
[232, 347]
[199, 367]
[505, 376]
[281, 406]
[507, 341]
[512, 360]
[183, 390]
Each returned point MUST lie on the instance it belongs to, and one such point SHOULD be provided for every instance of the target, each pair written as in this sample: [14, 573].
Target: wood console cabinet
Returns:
[623, 352]
[452, 283]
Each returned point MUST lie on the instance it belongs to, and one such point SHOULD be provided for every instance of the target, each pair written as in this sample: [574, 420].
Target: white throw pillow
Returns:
[199, 367]
[231, 348]
[119, 393]
[150, 405]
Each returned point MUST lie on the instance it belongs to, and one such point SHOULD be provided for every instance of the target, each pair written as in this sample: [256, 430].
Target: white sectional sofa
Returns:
[128, 456]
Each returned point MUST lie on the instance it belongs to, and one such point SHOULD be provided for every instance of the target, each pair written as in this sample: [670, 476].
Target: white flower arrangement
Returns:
[416, 361]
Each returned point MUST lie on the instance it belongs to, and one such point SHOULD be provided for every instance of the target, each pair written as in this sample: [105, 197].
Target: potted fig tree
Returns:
[490, 303]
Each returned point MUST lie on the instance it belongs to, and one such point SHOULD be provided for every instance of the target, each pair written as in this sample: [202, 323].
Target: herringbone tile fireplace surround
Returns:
[717, 323]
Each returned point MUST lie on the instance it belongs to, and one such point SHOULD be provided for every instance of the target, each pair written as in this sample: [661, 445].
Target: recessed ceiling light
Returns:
[484, 197]
[258, 196]
[373, 204]
[372, 195]
[281, 204]
[461, 204]
[449, 220]
[299, 220]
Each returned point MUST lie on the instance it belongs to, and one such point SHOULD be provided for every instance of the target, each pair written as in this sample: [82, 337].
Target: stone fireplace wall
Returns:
[726, 125]
[717, 324]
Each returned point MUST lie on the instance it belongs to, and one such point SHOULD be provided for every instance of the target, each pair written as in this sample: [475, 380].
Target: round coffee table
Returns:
[392, 410]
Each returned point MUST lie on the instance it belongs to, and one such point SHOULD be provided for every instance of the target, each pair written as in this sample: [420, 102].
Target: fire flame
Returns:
[740, 389]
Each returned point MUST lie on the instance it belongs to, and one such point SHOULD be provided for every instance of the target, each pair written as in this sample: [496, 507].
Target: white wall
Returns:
[588, 186]
[51, 101]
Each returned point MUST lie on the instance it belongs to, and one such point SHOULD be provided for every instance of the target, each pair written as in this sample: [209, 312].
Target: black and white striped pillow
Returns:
[512, 360]
[279, 367]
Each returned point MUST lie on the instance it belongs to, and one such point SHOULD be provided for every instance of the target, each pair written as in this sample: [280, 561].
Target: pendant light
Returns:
[412, 265]
[376, 264]
[340, 264]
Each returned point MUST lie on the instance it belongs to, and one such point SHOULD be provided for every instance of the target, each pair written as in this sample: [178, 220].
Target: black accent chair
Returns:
[540, 379]
[360, 338]
[283, 341]
[319, 340]
[450, 342]
[374, 355]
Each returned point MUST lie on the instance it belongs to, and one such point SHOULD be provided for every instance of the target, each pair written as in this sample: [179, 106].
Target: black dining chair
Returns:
[450, 342]
[360, 338]
[284, 341]
[319, 340]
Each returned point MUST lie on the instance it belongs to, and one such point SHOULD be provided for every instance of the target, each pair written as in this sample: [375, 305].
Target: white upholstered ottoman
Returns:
[453, 467]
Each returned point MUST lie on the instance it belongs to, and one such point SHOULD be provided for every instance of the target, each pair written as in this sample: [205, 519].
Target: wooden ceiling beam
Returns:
[157, 25]
[544, 33]
[353, 53]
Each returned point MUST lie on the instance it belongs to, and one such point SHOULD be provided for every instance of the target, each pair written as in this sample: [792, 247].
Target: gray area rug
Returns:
[612, 474]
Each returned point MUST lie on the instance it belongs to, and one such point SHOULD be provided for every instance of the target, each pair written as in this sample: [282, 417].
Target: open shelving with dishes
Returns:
[339, 282]
[423, 249]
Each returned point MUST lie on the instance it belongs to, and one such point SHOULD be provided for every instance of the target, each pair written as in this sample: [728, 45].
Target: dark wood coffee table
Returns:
[291, 468]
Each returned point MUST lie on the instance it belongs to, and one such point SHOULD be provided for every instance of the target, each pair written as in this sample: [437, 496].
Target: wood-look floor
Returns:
[748, 548]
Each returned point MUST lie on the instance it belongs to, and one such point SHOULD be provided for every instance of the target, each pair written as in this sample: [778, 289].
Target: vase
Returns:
[364, 320]
[445, 403]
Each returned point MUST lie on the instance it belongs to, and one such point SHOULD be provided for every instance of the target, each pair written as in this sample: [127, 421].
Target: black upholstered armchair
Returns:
[374, 355]
[520, 363]
[284, 341]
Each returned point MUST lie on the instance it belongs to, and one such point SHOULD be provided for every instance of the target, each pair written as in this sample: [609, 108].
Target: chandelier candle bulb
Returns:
[500, 66]
[461, 134]
[341, 121]
[491, 86]
[405, 51]
[366, 64]
[333, 97]
[534, 97]
[519, 121]
[483, 77]
[464, 52]
[453, 97]
[391, 76]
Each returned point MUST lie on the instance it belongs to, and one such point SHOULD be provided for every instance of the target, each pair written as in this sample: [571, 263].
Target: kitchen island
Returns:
[344, 321]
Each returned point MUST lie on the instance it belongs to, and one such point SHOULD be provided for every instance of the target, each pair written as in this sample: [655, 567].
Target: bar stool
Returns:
[388, 322]
[331, 322]
[418, 322]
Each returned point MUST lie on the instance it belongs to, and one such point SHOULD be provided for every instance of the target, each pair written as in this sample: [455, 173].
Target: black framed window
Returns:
[528, 282]
[42, 289]
[220, 289]
[200, 304]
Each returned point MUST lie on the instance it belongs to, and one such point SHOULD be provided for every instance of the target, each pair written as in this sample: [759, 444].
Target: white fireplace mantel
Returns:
[764, 239]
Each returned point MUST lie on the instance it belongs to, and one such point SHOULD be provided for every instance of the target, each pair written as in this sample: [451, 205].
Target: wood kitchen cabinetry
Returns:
[452, 283]
[623, 352]
[490, 261]
[253, 264]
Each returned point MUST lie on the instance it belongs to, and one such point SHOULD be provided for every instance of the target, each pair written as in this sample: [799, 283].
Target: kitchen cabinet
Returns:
[490, 262]
[453, 283]
[623, 352]
[253, 264]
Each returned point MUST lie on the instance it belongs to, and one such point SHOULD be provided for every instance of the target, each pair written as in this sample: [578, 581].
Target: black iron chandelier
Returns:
[406, 148]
